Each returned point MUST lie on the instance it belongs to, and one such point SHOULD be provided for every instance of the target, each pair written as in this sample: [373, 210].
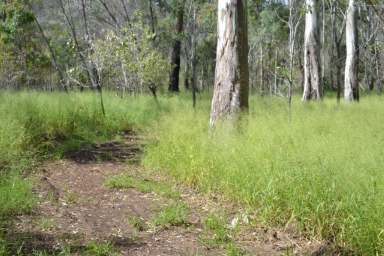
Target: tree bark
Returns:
[377, 66]
[312, 84]
[176, 49]
[275, 75]
[323, 48]
[261, 69]
[232, 76]
[351, 87]
[194, 59]
[187, 73]
[153, 18]
[370, 52]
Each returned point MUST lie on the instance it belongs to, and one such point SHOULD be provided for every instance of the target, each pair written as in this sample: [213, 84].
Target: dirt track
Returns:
[76, 207]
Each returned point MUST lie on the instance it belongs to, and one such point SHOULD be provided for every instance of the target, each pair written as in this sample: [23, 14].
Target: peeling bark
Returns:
[312, 84]
[232, 76]
[351, 86]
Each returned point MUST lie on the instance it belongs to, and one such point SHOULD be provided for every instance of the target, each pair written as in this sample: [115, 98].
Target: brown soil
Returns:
[75, 207]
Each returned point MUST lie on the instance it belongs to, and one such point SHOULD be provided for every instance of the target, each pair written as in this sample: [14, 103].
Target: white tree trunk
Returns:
[312, 83]
[351, 87]
[323, 49]
[261, 68]
[231, 78]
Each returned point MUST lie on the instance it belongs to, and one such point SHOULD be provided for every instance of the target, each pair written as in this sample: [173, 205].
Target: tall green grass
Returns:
[321, 169]
[44, 118]
[34, 126]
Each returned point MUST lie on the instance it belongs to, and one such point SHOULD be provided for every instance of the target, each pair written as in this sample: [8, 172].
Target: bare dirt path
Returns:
[76, 206]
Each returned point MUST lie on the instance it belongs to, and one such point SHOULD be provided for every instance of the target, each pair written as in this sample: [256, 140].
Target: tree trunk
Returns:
[176, 49]
[338, 72]
[232, 78]
[261, 69]
[377, 66]
[323, 48]
[153, 19]
[194, 59]
[371, 37]
[312, 83]
[333, 59]
[275, 74]
[186, 73]
[351, 87]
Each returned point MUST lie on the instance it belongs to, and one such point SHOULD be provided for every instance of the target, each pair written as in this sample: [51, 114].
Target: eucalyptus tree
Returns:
[312, 82]
[176, 47]
[351, 86]
[231, 88]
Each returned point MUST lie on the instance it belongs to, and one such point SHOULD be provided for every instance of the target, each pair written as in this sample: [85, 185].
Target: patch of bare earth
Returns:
[76, 207]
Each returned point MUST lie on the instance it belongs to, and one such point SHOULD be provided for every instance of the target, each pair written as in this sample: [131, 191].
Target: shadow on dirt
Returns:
[29, 243]
[128, 148]
[32, 243]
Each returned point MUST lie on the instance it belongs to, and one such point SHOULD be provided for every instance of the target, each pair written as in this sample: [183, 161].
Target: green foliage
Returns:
[16, 196]
[270, 27]
[46, 223]
[206, 19]
[16, 17]
[22, 58]
[125, 181]
[174, 214]
[3, 247]
[100, 249]
[322, 169]
[217, 231]
[233, 250]
[43, 122]
[134, 52]
[36, 125]
[138, 223]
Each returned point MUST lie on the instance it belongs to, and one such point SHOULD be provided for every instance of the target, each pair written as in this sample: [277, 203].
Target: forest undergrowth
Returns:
[37, 126]
[317, 167]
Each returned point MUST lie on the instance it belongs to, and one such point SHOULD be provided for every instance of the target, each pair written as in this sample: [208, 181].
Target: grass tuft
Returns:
[233, 250]
[100, 249]
[125, 181]
[15, 196]
[138, 223]
[215, 232]
[175, 214]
